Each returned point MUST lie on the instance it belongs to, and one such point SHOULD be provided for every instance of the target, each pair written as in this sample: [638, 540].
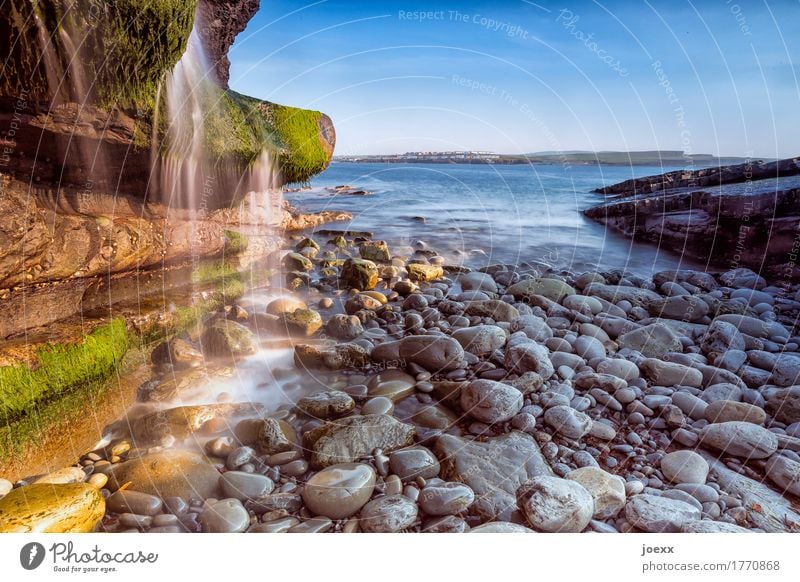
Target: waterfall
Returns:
[189, 177]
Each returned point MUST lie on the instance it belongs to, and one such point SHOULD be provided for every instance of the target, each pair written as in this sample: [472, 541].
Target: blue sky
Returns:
[720, 77]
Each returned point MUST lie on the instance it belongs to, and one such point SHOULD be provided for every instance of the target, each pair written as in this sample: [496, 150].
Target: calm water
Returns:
[482, 214]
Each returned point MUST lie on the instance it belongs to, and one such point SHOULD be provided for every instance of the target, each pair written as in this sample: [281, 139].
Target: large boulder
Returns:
[52, 508]
[359, 274]
[740, 439]
[494, 469]
[553, 289]
[349, 439]
[225, 338]
[435, 353]
[171, 473]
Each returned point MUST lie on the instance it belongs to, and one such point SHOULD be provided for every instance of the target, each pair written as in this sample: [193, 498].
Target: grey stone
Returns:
[655, 514]
[551, 504]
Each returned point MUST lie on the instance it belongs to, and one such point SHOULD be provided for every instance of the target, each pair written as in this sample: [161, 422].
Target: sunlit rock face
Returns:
[83, 91]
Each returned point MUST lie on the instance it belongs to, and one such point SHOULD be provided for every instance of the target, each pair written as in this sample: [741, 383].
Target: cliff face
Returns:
[83, 209]
[80, 87]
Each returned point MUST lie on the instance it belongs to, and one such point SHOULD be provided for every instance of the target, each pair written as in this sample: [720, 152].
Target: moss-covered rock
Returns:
[360, 274]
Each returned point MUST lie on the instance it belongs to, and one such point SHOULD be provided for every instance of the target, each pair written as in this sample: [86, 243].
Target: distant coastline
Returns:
[609, 158]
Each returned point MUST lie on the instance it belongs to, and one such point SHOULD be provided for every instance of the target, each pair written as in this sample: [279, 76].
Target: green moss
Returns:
[235, 242]
[60, 369]
[298, 129]
[212, 272]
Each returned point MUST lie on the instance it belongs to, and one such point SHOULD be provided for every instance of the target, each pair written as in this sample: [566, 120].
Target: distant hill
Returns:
[574, 157]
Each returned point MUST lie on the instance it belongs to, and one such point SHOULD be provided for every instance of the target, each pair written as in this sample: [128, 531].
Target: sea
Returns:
[477, 215]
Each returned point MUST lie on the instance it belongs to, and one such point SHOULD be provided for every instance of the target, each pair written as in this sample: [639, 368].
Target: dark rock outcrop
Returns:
[219, 23]
[743, 222]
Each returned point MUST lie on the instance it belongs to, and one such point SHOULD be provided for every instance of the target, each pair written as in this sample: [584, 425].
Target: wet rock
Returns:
[446, 498]
[445, 524]
[524, 355]
[225, 338]
[477, 281]
[434, 353]
[286, 304]
[740, 439]
[326, 404]
[481, 340]
[378, 405]
[301, 322]
[280, 502]
[344, 327]
[785, 473]
[684, 467]
[339, 491]
[181, 421]
[374, 250]
[496, 309]
[413, 462]
[653, 341]
[567, 421]
[134, 502]
[551, 504]
[338, 357]
[352, 438]
[167, 474]
[729, 410]
[552, 289]
[392, 384]
[5, 486]
[607, 490]
[225, 516]
[359, 274]
[490, 401]
[361, 303]
[655, 514]
[267, 435]
[52, 508]
[244, 486]
[388, 514]
[419, 272]
[494, 469]
[297, 262]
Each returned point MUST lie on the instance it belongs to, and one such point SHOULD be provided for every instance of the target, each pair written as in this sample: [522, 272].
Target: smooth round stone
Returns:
[318, 524]
[378, 405]
[388, 514]
[446, 498]
[281, 525]
[96, 480]
[684, 467]
[134, 520]
[65, 475]
[225, 516]
[729, 410]
[490, 402]
[501, 527]
[414, 462]
[655, 514]
[567, 421]
[445, 524]
[6, 486]
[220, 447]
[326, 404]
[555, 505]
[393, 384]
[165, 519]
[607, 490]
[133, 502]
[740, 439]
[295, 468]
[703, 493]
[425, 387]
[394, 486]
[339, 491]
[244, 486]
[283, 458]
[239, 457]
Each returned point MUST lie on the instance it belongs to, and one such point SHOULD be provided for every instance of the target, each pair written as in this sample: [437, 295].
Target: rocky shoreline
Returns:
[430, 398]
